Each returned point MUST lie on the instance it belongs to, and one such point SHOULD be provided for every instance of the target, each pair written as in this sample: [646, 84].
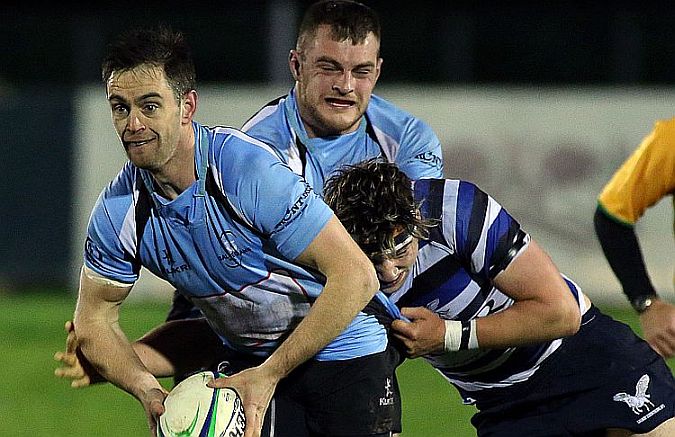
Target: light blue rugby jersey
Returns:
[474, 240]
[387, 131]
[225, 243]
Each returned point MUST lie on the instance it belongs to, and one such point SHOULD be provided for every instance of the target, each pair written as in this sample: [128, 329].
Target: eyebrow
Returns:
[112, 97]
[338, 64]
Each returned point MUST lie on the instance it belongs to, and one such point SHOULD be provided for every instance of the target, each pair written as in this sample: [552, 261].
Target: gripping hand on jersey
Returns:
[423, 335]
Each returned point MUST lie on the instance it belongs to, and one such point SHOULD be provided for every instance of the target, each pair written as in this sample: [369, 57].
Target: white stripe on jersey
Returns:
[294, 159]
[389, 146]
[128, 231]
[449, 217]
[230, 131]
[513, 379]
[260, 116]
[478, 255]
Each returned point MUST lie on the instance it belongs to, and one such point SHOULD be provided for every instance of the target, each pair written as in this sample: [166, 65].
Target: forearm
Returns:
[179, 347]
[526, 322]
[622, 250]
[108, 351]
[331, 313]
[102, 341]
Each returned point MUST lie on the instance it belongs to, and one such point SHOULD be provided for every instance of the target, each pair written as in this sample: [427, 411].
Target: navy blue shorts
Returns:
[603, 377]
[356, 397]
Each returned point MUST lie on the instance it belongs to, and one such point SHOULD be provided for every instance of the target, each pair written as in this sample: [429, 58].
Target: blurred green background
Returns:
[35, 403]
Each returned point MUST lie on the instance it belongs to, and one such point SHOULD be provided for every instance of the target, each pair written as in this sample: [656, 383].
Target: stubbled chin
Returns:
[341, 123]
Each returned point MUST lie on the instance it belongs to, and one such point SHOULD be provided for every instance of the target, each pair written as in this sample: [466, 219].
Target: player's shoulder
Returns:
[667, 124]
[232, 145]
[383, 109]
[269, 116]
[444, 187]
[664, 133]
[394, 121]
[123, 183]
[238, 158]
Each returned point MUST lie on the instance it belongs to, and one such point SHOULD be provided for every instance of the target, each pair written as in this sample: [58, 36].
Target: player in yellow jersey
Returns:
[646, 177]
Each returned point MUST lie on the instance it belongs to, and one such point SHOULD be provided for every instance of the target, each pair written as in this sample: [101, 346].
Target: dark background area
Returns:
[431, 42]
[49, 49]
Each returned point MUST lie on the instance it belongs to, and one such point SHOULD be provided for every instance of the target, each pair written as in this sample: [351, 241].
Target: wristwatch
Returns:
[640, 304]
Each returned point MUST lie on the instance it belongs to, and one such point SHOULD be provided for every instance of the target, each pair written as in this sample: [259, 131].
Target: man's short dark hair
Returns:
[372, 199]
[347, 20]
[160, 47]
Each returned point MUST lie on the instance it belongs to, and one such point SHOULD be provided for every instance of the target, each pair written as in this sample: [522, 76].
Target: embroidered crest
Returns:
[641, 398]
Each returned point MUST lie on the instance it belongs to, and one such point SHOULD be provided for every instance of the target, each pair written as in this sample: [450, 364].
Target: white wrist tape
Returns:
[460, 335]
[453, 335]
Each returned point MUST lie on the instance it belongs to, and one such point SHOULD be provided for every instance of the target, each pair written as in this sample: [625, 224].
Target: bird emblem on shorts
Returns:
[641, 398]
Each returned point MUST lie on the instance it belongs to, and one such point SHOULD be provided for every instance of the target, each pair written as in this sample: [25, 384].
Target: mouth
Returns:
[384, 285]
[137, 143]
[340, 103]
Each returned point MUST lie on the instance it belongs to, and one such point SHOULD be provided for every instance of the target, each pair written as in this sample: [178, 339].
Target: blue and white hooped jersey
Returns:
[226, 243]
[474, 241]
[386, 131]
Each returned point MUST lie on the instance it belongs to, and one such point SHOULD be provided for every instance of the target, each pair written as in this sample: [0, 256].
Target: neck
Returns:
[178, 174]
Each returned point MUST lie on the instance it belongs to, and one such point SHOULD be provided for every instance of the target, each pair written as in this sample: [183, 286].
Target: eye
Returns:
[150, 107]
[119, 109]
[327, 66]
[402, 252]
[362, 72]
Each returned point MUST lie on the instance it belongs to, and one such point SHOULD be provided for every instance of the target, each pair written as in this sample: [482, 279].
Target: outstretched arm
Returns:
[175, 347]
[621, 247]
[105, 346]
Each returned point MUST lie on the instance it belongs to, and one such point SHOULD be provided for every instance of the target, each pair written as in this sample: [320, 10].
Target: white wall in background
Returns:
[543, 153]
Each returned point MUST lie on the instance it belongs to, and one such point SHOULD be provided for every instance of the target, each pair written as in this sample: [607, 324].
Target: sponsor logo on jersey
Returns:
[232, 255]
[388, 398]
[431, 159]
[293, 210]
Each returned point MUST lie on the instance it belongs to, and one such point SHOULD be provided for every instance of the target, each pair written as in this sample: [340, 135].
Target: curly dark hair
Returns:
[372, 199]
[347, 20]
[159, 46]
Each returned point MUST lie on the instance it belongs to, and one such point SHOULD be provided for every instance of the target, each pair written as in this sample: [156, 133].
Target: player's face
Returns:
[146, 116]
[394, 267]
[334, 81]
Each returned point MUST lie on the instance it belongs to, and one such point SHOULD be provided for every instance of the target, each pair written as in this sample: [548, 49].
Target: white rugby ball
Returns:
[194, 409]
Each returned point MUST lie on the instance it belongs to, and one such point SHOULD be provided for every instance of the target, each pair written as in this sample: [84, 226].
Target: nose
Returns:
[387, 270]
[344, 84]
[134, 123]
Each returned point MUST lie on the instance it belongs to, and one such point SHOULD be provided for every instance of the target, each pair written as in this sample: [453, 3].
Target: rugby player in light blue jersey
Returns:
[219, 216]
[492, 313]
[330, 117]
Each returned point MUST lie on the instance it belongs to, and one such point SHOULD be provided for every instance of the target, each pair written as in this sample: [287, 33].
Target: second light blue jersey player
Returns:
[385, 131]
[453, 276]
[225, 244]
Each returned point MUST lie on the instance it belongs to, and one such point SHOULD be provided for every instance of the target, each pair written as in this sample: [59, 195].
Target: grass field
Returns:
[35, 403]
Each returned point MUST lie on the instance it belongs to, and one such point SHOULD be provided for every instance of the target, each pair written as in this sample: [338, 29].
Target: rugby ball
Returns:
[194, 409]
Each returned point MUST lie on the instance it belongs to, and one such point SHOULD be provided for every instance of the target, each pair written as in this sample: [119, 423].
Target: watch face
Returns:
[642, 303]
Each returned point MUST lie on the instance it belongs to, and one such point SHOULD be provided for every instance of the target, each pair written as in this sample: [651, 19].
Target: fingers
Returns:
[415, 312]
[71, 338]
[154, 408]
[220, 382]
[402, 329]
[70, 369]
[254, 420]
[662, 347]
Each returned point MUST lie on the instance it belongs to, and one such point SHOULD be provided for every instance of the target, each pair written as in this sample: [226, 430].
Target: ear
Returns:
[188, 106]
[294, 64]
[378, 68]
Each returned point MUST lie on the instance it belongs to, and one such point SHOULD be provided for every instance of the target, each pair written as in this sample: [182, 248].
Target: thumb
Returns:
[71, 339]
